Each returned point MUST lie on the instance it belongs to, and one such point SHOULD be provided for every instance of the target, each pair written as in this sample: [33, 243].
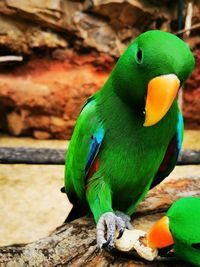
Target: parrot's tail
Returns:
[75, 213]
[62, 189]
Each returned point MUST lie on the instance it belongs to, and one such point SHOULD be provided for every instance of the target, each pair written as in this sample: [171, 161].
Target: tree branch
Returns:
[10, 58]
[57, 156]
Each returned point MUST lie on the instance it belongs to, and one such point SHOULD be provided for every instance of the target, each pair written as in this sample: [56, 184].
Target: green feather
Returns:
[184, 223]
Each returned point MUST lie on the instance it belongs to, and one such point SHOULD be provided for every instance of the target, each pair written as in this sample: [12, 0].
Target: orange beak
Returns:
[161, 93]
[159, 235]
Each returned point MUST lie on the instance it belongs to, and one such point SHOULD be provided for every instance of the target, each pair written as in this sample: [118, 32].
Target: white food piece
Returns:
[131, 240]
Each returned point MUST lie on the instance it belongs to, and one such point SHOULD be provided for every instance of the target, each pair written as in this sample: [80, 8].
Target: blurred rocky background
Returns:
[55, 53]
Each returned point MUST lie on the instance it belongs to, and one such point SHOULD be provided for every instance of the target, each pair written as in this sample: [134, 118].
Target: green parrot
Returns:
[128, 135]
[180, 228]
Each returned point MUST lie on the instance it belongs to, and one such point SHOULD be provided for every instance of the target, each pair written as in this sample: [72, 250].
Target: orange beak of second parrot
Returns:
[159, 235]
[161, 93]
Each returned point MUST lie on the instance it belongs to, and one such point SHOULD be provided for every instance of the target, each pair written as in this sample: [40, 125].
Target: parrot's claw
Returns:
[109, 223]
[125, 218]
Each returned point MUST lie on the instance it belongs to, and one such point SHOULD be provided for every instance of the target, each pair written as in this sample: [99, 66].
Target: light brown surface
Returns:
[31, 204]
[191, 139]
[8, 141]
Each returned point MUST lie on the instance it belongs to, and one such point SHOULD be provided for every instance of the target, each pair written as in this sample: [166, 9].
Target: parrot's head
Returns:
[180, 228]
[150, 72]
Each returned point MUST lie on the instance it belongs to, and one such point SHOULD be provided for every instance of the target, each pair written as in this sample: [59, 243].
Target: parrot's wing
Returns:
[171, 154]
[83, 149]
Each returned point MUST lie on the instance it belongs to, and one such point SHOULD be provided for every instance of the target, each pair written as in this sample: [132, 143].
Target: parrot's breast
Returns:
[130, 168]
[131, 154]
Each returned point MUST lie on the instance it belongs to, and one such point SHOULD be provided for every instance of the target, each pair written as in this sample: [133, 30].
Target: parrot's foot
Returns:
[125, 218]
[109, 223]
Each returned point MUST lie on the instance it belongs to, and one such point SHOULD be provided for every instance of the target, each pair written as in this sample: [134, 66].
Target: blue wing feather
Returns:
[83, 149]
[96, 141]
[179, 132]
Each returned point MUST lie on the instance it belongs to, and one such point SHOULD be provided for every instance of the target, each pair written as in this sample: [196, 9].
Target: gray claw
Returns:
[125, 218]
[120, 234]
[108, 222]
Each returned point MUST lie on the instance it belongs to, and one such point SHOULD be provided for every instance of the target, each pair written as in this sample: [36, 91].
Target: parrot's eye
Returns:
[139, 56]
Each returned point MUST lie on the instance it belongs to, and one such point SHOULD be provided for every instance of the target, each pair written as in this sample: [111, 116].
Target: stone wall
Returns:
[43, 96]
[68, 50]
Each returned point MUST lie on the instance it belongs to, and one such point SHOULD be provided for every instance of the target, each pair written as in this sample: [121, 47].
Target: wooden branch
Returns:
[189, 157]
[10, 58]
[74, 244]
[57, 156]
[195, 26]
[71, 245]
[32, 155]
[188, 19]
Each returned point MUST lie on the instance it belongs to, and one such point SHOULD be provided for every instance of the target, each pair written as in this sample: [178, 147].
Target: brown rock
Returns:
[191, 97]
[50, 11]
[131, 12]
[16, 122]
[98, 34]
[12, 36]
[130, 18]
[46, 95]
[21, 35]
[101, 25]
[42, 135]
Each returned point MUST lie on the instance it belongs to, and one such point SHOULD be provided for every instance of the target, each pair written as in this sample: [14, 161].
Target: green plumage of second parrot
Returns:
[181, 226]
[128, 135]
